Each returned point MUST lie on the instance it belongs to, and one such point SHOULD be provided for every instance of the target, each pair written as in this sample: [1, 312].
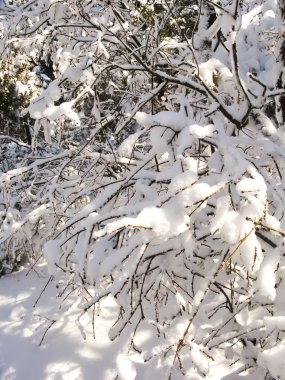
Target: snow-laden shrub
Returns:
[174, 205]
[22, 209]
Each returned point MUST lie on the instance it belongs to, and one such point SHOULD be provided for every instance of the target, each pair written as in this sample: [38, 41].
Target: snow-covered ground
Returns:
[33, 349]
[63, 354]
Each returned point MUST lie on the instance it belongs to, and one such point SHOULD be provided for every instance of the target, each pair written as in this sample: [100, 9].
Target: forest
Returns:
[142, 157]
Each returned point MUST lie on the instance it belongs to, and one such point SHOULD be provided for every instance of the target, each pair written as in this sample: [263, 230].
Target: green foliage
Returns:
[178, 22]
[18, 85]
[10, 99]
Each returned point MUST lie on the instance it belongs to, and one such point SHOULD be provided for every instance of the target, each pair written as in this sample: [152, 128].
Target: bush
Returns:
[161, 184]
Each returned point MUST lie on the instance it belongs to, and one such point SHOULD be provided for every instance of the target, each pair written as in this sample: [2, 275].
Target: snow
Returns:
[199, 359]
[266, 278]
[169, 119]
[201, 132]
[63, 353]
[272, 323]
[52, 252]
[273, 360]
[126, 368]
